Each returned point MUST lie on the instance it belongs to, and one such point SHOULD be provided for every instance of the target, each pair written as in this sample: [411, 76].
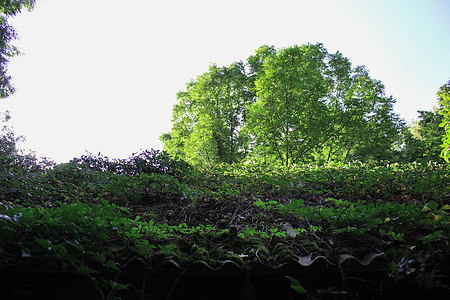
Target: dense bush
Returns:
[144, 162]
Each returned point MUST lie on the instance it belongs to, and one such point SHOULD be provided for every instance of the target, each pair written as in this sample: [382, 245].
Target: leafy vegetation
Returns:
[444, 102]
[422, 140]
[292, 156]
[9, 8]
[95, 217]
[294, 105]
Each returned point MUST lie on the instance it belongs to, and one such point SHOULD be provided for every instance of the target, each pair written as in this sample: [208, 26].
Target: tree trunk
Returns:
[329, 153]
[348, 151]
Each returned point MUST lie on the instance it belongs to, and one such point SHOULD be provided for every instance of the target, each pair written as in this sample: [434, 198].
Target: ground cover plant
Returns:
[95, 217]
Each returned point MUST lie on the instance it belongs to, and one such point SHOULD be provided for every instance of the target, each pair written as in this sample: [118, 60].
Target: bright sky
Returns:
[102, 75]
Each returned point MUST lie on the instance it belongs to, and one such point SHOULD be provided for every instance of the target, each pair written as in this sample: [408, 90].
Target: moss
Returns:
[260, 253]
[310, 246]
[171, 251]
[235, 257]
[151, 215]
[283, 252]
[200, 253]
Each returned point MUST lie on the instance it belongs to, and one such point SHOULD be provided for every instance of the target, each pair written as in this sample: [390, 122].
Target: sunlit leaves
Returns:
[313, 106]
[423, 139]
[12, 7]
[444, 102]
[292, 105]
[209, 116]
[286, 118]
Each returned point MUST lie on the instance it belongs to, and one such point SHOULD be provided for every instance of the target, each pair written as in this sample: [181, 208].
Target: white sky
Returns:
[102, 75]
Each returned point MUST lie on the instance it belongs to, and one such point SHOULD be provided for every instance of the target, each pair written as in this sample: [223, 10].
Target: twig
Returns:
[174, 284]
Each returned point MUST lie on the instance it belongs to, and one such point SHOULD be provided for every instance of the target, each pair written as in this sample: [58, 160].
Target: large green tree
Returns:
[291, 105]
[364, 125]
[9, 8]
[289, 113]
[312, 105]
[209, 116]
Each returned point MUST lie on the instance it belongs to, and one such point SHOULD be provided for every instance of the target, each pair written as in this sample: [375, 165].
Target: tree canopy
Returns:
[292, 105]
[444, 101]
[209, 117]
[9, 8]
[428, 139]
[423, 138]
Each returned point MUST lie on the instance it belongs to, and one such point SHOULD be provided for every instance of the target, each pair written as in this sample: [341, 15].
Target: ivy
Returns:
[92, 221]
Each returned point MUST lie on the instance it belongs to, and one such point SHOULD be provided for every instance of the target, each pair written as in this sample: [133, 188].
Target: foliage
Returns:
[144, 162]
[293, 105]
[16, 168]
[313, 105]
[8, 139]
[444, 101]
[7, 34]
[209, 116]
[296, 285]
[420, 181]
[12, 7]
[428, 138]
[94, 216]
[289, 91]
[423, 139]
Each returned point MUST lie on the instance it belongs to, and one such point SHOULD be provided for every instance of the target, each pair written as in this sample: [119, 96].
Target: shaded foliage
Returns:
[9, 8]
[144, 162]
[93, 218]
[424, 138]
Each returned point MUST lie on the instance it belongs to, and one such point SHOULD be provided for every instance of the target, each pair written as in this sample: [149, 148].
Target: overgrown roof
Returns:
[104, 222]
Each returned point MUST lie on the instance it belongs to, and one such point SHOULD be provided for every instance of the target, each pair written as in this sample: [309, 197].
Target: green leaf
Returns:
[101, 258]
[295, 285]
[112, 265]
[433, 205]
[44, 243]
[86, 270]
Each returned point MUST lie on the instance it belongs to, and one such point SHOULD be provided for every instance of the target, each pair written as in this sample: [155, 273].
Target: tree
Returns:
[285, 118]
[9, 8]
[209, 116]
[444, 101]
[424, 137]
[364, 124]
[7, 139]
[312, 105]
[376, 137]
[12, 158]
[293, 105]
